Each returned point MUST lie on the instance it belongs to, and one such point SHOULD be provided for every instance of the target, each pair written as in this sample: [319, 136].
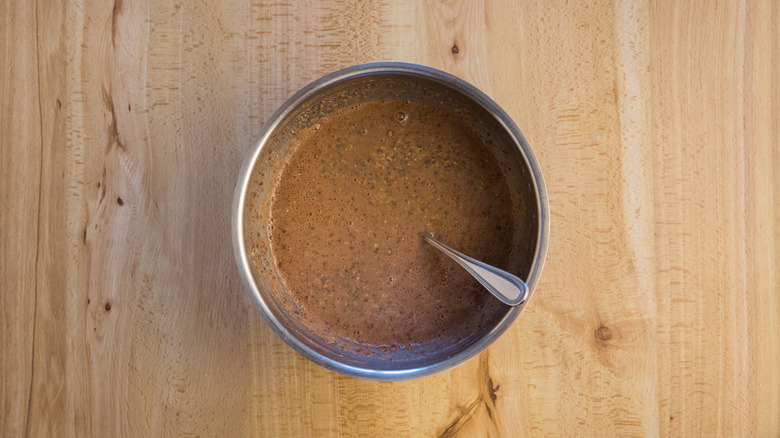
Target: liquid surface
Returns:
[348, 210]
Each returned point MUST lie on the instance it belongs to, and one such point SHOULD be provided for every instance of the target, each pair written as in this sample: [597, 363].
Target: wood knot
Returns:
[120, 201]
[492, 389]
[603, 333]
[108, 307]
[455, 49]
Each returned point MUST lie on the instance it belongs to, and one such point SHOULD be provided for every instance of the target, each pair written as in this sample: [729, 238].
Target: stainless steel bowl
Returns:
[351, 85]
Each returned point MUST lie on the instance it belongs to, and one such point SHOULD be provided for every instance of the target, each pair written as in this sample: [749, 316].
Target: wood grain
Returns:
[20, 182]
[123, 127]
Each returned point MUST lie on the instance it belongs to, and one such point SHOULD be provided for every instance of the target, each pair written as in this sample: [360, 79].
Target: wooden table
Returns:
[657, 126]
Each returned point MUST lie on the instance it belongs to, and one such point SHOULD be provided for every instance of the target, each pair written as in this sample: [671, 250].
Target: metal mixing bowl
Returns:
[251, 207]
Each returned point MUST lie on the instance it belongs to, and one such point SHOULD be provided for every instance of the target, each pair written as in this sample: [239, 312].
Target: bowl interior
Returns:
[269, 163]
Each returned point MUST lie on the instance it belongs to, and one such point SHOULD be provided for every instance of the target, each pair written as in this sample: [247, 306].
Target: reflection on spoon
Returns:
[505, 286]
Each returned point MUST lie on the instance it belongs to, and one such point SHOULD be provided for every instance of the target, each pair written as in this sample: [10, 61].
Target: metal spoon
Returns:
[505, 286]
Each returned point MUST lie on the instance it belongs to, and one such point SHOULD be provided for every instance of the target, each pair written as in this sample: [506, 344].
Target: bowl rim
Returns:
[239, 198]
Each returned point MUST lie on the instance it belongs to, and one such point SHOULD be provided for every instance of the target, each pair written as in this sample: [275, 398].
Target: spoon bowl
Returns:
[507, 287]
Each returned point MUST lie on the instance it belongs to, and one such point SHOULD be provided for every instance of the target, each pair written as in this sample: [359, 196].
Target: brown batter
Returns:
[348, 210]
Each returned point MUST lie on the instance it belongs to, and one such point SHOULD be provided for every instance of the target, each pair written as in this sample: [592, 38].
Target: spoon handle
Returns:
[506, 287]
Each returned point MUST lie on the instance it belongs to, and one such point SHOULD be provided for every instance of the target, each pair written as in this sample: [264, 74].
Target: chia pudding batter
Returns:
[357, 190]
